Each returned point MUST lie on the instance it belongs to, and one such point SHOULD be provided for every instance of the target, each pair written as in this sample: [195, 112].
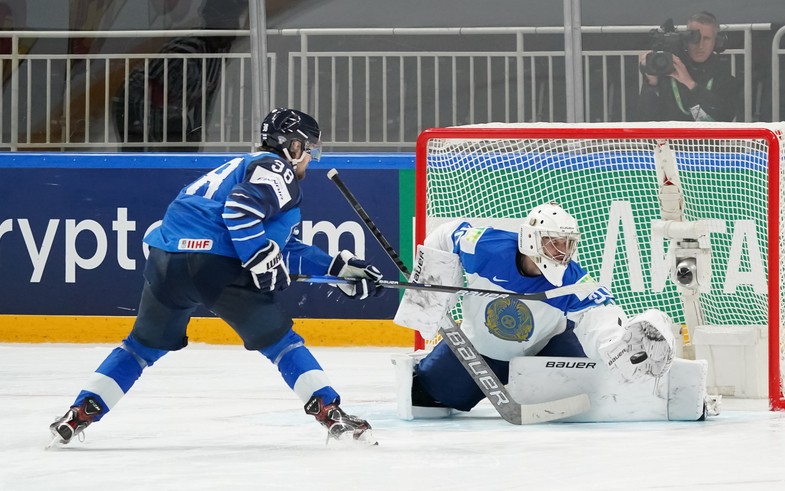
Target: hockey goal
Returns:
[613, 179]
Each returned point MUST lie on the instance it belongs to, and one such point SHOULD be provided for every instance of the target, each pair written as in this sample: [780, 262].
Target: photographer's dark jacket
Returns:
[714, 98]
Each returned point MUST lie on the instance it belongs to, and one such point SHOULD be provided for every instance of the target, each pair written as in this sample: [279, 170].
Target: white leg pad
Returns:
[419, 412]
[678, 396]
[404, 371]
[687, 389]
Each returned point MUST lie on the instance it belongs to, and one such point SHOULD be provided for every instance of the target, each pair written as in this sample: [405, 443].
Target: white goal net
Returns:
[610, 178]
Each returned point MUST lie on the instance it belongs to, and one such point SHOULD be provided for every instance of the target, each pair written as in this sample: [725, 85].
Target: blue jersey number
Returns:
[602, 296]
[279, 167]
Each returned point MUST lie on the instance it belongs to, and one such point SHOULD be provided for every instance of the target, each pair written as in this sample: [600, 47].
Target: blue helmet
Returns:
[283, 126]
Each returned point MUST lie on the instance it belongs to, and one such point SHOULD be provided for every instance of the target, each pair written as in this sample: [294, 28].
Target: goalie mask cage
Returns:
[606, 176]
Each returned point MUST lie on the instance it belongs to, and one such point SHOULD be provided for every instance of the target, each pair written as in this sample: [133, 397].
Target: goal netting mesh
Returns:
[606, 176]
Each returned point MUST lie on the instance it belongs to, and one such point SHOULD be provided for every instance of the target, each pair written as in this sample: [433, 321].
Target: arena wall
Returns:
[71, 251]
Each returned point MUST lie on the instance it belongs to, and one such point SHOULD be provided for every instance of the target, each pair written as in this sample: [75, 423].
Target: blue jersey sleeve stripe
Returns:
[248, 237]
[234, 205]
[249, 224]
[232, 216]
[238, 194]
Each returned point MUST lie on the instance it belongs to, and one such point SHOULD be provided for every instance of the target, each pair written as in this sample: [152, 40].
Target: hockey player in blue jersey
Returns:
[228, 242]
[536, 259]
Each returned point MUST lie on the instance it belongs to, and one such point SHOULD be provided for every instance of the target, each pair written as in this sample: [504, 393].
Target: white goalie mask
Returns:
[549, 236]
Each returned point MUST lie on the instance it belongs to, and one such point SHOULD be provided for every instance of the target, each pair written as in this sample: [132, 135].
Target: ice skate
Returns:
[338, 423]
[73, 422]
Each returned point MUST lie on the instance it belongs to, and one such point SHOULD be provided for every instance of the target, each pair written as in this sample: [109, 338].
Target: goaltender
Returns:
[632, 354]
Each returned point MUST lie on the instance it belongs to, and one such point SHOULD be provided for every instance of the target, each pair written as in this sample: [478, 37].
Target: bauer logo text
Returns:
[570, 364]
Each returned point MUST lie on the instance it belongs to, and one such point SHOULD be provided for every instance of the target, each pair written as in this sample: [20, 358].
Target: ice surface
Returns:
[221, 418]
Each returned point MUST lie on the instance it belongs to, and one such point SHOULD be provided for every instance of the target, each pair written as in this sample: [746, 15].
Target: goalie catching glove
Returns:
[267, 268]
[347, 265]
[645, 349]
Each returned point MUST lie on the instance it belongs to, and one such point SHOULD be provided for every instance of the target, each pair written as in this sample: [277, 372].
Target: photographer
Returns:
[684, 79]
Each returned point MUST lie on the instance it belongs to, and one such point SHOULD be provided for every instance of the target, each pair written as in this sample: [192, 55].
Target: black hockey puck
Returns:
[638, 357]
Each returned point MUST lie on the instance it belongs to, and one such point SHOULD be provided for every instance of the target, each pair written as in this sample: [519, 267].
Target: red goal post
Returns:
[606, 176]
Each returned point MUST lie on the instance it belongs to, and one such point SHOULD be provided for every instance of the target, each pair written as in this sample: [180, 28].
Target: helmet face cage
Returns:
[283, 126]
[556, 246]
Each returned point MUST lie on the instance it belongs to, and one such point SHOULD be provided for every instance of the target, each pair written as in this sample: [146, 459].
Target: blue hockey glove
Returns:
[347, 265]
[267, 268]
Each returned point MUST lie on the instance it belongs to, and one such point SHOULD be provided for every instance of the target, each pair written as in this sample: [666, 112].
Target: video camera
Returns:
[665, 43]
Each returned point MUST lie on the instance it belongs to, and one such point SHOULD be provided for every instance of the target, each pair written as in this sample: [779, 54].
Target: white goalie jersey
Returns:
[504, 328]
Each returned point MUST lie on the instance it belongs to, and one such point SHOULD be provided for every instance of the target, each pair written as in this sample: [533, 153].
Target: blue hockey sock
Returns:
[118, 373]
[299, 369]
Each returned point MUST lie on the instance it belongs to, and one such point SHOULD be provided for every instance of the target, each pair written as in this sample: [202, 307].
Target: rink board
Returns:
[71, 230]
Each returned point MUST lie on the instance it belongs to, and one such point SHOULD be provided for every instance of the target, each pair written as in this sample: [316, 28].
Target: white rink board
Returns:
[217, 417]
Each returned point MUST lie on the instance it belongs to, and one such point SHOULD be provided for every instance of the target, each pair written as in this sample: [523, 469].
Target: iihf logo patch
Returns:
[194, 245]
[509, 319]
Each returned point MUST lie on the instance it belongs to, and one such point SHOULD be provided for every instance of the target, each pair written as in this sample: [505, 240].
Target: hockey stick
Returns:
[334, 177]
[497, 393]
[471, 360]
[585, 288]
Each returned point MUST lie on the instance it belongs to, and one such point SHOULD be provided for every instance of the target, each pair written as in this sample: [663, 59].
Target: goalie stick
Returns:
[471, 360]
[584, 288]
[497, 393]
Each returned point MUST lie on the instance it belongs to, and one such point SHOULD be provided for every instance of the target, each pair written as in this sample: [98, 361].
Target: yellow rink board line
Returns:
[112, 329]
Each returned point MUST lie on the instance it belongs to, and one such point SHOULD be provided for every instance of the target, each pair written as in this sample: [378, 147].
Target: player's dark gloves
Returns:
[347, 265]
[267, 268]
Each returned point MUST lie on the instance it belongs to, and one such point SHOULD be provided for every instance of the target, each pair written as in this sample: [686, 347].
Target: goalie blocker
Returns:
[680, 395]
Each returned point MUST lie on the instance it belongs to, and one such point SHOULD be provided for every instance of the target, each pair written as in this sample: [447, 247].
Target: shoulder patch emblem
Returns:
[469, 240]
